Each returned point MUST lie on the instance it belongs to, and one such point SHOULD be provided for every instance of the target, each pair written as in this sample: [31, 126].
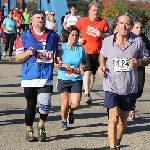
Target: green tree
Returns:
[121, 6]
[32, 5]
[82, 6]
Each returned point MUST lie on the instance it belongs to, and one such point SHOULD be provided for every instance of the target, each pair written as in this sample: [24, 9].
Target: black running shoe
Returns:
[70, 118]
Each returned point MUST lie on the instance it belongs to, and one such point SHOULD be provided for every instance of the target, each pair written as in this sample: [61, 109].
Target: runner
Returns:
[2, 37]
[93, 29]
[26, 19]
[71, 18]
[69, 75]
[47, 15]
[121, 54]
[1, 16]
[9, 26]
[137, 29]
[51, 23]
[18, 17]
[35, 50]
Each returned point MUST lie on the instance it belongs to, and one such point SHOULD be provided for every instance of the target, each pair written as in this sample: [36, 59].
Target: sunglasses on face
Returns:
[52, 14]
[11, 13]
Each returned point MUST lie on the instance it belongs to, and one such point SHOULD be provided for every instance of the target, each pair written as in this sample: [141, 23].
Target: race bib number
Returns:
[73, 71]
[121, 64]
[45, 56]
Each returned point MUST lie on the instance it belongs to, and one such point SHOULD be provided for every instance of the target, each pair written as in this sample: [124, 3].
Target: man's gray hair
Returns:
[125, 14]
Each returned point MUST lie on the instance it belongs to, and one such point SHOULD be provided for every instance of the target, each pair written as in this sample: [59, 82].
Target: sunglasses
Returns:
[11, 13]
[52, 14]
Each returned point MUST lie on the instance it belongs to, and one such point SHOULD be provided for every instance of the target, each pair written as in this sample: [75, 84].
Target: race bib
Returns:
[73, 71]
[121, 64]
[45, 56]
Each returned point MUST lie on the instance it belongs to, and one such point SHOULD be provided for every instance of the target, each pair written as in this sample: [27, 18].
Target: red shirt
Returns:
[88, 29]
[2, 32]
[18, 17]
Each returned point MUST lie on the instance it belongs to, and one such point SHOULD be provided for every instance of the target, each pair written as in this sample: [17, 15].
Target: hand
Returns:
[81, 41]
[67, 66]
[8, 30]
[98, 33]
[59, 61]
[102, 71]
[133, 62]
[31, 51]
[82, 67]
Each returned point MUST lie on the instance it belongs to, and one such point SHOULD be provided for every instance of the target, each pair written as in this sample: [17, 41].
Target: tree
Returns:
[121, 6]
[32, 5]
[109, 13]
[82, 6]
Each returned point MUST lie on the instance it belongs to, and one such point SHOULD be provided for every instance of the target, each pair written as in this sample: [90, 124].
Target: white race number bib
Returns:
[73, 71]
[121, 64]
[45, 56]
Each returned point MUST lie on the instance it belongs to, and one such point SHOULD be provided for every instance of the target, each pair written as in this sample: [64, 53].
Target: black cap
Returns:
[37, 11]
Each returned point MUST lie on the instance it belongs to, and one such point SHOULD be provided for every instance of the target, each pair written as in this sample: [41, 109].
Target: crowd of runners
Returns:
[87, 44]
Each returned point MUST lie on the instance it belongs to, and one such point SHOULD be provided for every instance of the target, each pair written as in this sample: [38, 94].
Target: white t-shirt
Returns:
[71, 20]
[51, 25]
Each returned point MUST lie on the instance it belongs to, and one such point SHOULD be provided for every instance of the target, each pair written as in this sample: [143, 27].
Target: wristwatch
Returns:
[139, 62]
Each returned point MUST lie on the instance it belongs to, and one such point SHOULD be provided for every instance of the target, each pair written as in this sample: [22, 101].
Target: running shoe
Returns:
[4, 54]
[14, 48]
[41, 133]
[10, 59]
[70, 118]
[64, 126]
[118, 147]
[88, 100]
[132, 115]
[30, 136]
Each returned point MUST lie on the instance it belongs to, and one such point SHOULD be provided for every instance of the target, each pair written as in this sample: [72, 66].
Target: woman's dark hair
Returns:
[143, 19]
[66, 33]
[113, 27]
[10, 10]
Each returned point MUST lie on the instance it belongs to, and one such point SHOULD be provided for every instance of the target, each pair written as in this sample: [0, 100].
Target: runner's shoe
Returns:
[10, 59]
[132, 115]
[30, 136]
[88, 100]
[70, 118]
[118, 147]
[4, 54]
[41, 133]
[64, 126]
[14, 48]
